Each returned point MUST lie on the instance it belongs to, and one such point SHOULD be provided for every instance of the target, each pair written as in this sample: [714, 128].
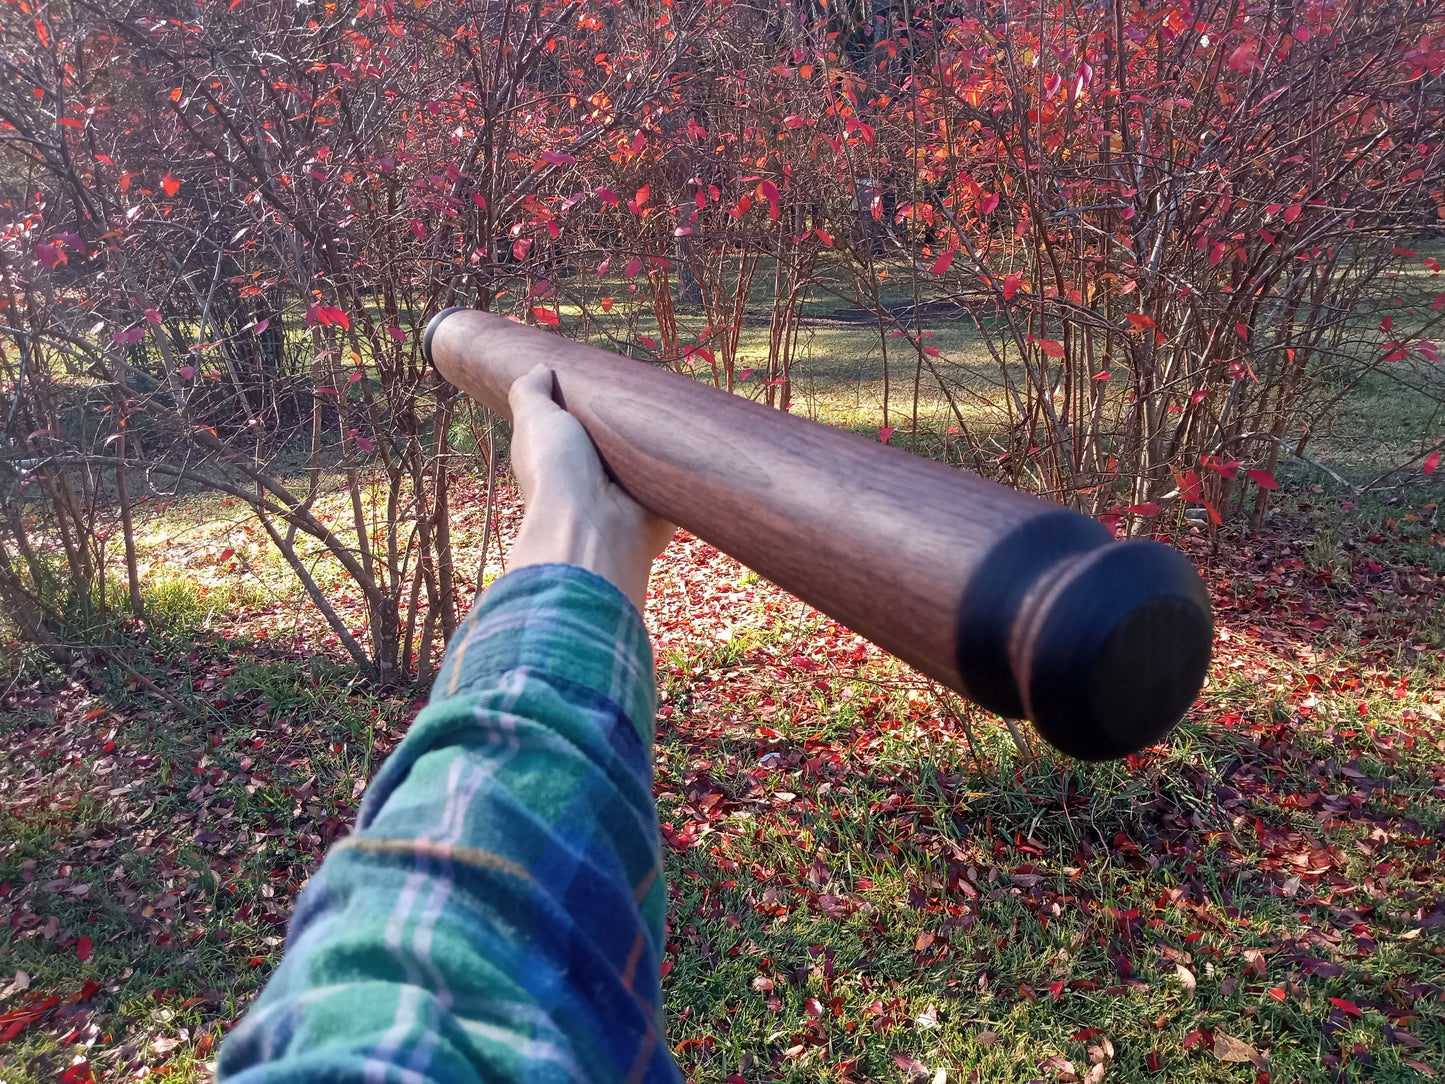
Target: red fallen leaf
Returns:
[1274, 208]
[1141, 321]
[1431, 462]
[185, 372]
[83, 948]
[1277, 992]
[943, 263]
[170, 185]
[1349, 1008]
[1052, 347]
[792, 120]
[606, 195]
[1242, 330]
[988, 204]
[153, 315]
[1263, 479]
[557, 158]
[1061, 1065]
[1085, 1035]
[545, 316]
[79, 1073]
[768, 191]
[50, 256]
[886, 431]
[1292, 212]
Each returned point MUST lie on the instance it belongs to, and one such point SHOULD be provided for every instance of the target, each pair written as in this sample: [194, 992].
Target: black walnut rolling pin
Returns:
[1027, 608]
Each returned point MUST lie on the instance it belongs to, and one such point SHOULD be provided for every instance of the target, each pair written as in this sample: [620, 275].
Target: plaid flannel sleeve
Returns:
[498, 912]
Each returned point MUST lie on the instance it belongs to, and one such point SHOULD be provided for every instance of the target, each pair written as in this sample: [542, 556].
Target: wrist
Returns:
[561, 534]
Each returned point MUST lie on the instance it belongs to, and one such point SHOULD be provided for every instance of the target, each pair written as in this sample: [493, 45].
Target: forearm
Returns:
[498, 913]
[560, 533]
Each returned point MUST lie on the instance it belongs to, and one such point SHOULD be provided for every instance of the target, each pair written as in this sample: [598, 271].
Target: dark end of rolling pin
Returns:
[1103, 645]
[1117, 650]
[431, 329]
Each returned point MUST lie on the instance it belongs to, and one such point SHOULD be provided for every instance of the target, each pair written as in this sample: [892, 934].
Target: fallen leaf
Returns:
[1228, 1048]
[1186, 979]
[914, 1071]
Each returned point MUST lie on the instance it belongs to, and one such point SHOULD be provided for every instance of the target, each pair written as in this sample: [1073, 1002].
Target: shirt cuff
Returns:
[563, 621]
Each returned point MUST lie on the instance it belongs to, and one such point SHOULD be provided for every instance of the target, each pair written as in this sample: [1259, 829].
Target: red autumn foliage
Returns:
[1118, 197]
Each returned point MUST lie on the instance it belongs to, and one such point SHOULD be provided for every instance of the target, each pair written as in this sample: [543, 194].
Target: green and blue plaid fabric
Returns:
[498, 913]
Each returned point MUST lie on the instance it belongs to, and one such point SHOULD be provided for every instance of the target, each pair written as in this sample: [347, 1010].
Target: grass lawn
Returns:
[869, 879]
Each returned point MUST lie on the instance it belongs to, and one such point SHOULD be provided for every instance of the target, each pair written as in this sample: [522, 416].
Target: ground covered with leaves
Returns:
[870, 880]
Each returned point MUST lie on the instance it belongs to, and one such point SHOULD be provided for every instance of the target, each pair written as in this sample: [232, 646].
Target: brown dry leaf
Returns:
[1228, 1048]
[1095, 1075]
[986, 1038]
[1186, 979]
[1257, 965]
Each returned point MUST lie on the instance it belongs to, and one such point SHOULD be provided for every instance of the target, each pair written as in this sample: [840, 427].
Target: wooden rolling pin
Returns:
[1027, 608]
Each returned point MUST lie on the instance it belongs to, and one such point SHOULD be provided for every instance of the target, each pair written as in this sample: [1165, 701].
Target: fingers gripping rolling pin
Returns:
[1027, 608]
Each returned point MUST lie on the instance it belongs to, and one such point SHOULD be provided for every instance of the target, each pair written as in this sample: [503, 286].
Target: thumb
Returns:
[531, 394]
